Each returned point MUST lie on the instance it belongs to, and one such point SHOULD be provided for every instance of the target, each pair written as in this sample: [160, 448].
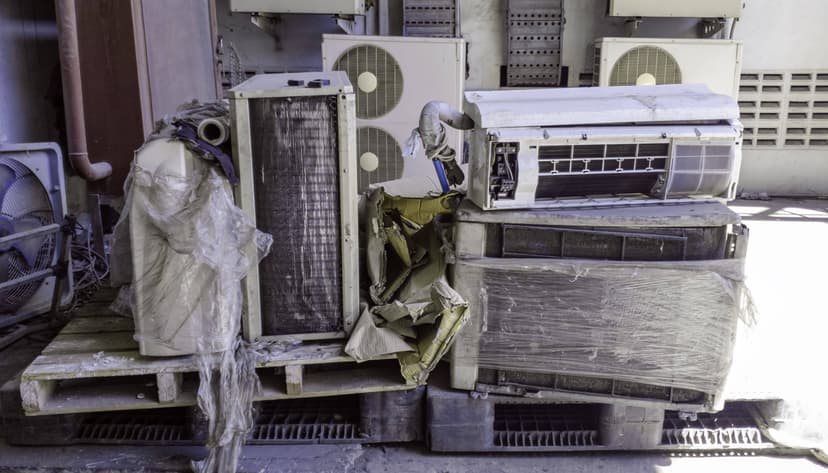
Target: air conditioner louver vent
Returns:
[632, 67]
[377, 79]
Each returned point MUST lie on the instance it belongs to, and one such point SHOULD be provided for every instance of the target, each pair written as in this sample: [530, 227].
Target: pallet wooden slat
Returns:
[101, 324]
[68, 376]
[67, 343]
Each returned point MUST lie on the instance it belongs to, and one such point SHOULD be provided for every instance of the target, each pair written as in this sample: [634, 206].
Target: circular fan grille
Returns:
[385, 147]
[645, 60]
[24, 205]
[377, 79]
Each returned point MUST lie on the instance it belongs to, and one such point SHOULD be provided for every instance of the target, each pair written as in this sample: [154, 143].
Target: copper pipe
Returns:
[67, 22]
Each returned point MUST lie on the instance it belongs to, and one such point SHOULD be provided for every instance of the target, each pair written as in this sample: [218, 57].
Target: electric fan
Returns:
[32, 243]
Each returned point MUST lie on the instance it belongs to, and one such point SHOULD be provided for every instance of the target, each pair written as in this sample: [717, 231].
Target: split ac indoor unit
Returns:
[677, 8]
[656, 61]
[294, 146]
[609, 145]
[393, 78]
[332, 7]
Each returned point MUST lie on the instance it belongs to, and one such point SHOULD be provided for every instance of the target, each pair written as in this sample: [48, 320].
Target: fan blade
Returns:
[5, 266]
[6, 226]
[25, 195]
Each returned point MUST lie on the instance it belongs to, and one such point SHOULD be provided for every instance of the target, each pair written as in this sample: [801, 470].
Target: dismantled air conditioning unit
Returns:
[608, 145]
[677, 8]
[294, 143]
[33, 244]
[333, 7]
[599, 303]
[657, 61]
[394, 77]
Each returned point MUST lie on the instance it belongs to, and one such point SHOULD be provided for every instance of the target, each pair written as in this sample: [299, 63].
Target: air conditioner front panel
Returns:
[539, 167]
[714, 63]
[429, 68]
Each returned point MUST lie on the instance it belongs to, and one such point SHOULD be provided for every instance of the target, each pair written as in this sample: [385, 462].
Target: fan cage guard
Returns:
[22, 196]
[385, 146]
[389, 79]
[645, 59]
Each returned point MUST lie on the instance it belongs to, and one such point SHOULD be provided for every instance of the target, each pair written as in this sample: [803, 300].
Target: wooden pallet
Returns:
[93, 365]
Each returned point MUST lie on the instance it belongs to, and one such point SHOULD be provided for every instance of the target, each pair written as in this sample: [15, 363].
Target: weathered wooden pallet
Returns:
[94, 365]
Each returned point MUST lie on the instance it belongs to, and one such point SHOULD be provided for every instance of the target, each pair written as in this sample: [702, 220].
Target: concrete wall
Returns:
[785, 36]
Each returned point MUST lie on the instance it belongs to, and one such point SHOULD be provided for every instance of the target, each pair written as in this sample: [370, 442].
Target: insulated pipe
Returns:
[215, 131]
[67, 22]
[433, 134]
[432, 131]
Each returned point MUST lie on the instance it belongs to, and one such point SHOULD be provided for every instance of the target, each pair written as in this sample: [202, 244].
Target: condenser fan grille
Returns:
[636, 63]
[389, 160]
[377, 79]
[24, 205]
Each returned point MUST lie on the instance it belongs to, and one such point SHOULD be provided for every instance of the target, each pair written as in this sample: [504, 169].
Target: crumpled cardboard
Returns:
[415, 313]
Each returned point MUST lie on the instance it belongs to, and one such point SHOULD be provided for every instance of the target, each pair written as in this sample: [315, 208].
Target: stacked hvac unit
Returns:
[596, 251]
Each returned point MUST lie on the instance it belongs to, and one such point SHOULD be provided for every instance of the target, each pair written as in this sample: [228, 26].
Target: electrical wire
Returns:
[89, 269]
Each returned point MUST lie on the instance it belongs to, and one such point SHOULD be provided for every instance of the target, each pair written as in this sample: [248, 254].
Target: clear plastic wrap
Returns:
[188, 242]
[660, 323]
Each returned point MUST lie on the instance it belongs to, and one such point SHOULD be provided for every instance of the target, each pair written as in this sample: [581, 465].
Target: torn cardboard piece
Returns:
[416, 314]
[369, 341]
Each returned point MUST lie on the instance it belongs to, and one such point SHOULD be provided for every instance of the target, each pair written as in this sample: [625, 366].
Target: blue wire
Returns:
[441, 175]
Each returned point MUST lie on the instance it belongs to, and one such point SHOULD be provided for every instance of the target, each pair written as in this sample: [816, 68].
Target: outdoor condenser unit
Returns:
[393, 78]
[613, 145]
[294, 142]
[600, 303]
[716, 63]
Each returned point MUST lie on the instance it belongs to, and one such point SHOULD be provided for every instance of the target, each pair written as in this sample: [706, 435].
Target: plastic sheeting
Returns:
[662, 323]
[189, 243]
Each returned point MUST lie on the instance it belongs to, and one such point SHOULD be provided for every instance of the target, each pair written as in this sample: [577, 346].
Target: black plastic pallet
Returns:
[394, 416]
[457, 421]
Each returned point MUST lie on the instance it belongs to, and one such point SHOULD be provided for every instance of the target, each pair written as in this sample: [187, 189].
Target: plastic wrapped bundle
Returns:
[188, 253]
[656, 323]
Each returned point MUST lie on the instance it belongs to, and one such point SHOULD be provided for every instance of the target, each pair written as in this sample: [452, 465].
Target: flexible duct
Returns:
[433, 134]
[73, 94]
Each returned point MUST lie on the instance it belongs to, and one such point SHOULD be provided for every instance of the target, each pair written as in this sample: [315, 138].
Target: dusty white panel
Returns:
[393, 78]
[682, 8]
[345, 7]
[714, 63]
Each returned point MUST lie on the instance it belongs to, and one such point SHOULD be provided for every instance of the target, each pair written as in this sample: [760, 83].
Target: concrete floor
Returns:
[783, 352]
[396, 459]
